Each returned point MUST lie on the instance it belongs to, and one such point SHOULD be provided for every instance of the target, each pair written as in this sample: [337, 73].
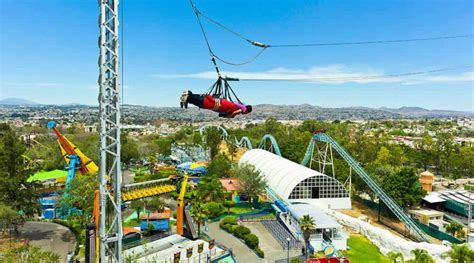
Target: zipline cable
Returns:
[371, 42]
[211, 53]
[262, 45]
[355, 78]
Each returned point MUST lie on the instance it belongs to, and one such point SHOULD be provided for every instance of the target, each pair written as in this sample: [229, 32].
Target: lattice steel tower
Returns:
[110, 173]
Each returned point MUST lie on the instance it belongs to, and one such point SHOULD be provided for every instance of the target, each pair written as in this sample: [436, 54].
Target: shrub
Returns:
[233, 228]
[214, 209]
[251, 240]
[295, 260]
[227, 227]
[229, 220]
[241, 231]
[259, 252]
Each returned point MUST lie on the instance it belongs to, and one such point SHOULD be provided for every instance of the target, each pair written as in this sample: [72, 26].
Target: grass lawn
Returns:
[240, 210]
[363, 251]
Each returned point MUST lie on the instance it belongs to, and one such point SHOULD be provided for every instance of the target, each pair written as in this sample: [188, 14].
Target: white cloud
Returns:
[335, 74]
[462, 77]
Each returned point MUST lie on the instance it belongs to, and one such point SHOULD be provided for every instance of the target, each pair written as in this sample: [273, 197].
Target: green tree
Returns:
[199, 214]
[307, 225]
[404, 187]
[251, 181]
[383, 156]
[421, 256]
[151, 163]
[30, 254]
[15, 169]
[228, 205]
[154, 204]
[129, 149]
[197, 138]
[209, 189]
[453, 228]
[444, 151]
[219, 166]
[232, 148]
[9, 218]
[137, 205]
[213, 138]
[459, 254]
[463, 162]
[396, 257]
[164, 146]
[213, 209]
[81, 197]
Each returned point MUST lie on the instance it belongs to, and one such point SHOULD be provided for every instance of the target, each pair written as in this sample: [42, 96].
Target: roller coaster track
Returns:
[203, 128]
[417, 232]
[374, 186]
[244, 142]
[273, 144]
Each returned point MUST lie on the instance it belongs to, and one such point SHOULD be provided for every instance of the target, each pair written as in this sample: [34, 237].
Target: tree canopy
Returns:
[404, 187]
[251, 182]
[15, 169]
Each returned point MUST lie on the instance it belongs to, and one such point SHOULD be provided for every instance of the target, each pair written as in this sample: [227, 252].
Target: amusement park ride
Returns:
[79, 164]
[110, 196]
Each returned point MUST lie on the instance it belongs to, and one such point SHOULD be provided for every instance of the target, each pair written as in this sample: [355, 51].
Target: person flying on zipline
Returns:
[226, 108]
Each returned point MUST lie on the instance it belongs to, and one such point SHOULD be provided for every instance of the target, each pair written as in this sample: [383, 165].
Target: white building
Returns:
[173, 247]
[295, 183]
[327, 228]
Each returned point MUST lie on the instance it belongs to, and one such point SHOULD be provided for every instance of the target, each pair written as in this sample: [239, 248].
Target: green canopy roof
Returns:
[42, 176]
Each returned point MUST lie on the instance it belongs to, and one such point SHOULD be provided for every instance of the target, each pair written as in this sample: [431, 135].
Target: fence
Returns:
[281, 233]
[438, 234]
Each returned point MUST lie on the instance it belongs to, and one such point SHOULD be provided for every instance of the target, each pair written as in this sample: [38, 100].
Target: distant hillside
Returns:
[417, 112]
[143, 114]
[16, 101]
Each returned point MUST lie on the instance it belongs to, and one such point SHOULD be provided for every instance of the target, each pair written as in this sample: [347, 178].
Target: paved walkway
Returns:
[241, 252]
[49, 237]
[273, 250]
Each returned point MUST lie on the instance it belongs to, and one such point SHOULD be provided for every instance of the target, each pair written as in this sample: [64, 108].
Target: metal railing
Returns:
[391, 204]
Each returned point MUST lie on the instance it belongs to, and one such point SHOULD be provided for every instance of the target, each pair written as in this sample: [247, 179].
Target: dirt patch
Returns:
[393, 225]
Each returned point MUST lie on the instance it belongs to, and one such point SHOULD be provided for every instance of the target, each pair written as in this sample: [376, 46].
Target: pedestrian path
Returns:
[240, 251]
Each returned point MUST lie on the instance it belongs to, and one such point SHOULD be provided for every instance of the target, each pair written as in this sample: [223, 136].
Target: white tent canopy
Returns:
[296, 183]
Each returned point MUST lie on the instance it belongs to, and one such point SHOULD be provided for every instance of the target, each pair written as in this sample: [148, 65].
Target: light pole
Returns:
[288, 249]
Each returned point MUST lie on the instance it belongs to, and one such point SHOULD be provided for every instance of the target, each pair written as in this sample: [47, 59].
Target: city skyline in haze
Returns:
[49, 52]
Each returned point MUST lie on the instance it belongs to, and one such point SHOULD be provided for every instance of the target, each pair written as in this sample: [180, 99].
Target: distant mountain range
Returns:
[17, 101]
[283, 112]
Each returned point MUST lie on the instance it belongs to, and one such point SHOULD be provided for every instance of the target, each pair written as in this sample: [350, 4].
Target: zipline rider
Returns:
[225, 108]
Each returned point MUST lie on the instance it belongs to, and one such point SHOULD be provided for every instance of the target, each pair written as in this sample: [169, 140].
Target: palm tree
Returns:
[307, 225]
[155, 204]
[422, 256]
[199, 214]
[453, 227]
[210, 189]
[396, 257]
[137, 205]
[459, 254]
[232, 148]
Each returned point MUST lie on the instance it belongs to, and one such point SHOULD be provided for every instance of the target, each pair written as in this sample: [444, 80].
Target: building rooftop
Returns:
[426, 212]
[230, 184]
[433, 198]
[321, 219]
[166, 214]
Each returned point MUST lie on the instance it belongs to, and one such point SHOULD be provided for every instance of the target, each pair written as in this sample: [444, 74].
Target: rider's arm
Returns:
[235, 113]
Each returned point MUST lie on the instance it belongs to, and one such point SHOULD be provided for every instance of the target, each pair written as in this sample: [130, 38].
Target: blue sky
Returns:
[49, 51]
